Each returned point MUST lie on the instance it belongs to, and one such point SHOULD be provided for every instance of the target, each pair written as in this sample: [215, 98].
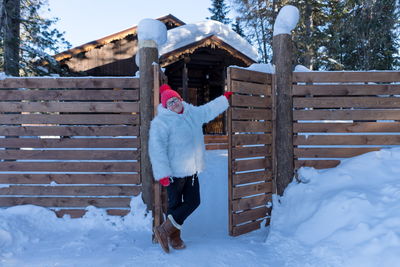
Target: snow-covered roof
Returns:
[190, 33]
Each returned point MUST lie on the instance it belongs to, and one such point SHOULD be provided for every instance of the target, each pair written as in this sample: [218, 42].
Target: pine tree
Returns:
[38, 40]
[10, 36]
[238, 28]
[219, 11]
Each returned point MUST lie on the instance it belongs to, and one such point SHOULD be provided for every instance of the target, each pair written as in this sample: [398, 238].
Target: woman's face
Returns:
[175, 104]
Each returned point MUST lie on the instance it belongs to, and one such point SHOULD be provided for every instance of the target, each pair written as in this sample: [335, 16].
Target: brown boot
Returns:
[162, 233]
[175, 240]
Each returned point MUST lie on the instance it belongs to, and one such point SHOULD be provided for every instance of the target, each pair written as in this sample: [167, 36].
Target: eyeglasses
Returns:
[172, 102]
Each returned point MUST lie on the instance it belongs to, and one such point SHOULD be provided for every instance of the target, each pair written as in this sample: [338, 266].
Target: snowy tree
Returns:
[10, 18]
[38, 39]
[219, 11]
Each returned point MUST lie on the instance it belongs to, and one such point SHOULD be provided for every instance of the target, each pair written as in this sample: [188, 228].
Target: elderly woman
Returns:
[176, 149]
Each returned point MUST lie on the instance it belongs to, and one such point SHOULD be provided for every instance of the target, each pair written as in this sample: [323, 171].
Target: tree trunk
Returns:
[11, 36]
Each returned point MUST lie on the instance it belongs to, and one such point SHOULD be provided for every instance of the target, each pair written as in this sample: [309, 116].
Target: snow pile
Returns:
[286, 20]
[2, 76]
[346, 216]
[260, 67]
[151, 29]
[189, 33]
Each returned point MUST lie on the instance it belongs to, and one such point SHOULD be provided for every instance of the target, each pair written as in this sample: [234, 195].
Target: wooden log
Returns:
[90, 178]
[148, 54]
[68, 82]
[282, 49]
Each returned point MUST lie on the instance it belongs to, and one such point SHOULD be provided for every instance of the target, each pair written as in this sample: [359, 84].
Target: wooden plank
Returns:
[346, 89]
[70, 166]
[251, 88]
[250, 76]
[367, 127]
[347, 140]
[346, 114]
[250, 215]
[251, 177]
[78, 213]
[90, 119]
[93, 107]
[250, 164]
[69, 95]
[249, 152]
[230, 159]
[332, 152]
[251, 126]
[251, 139]
[252, 189]
[250, 101]
[104, 202]
[69, 142]
[70, 190]
[347, 76]
[251, 202]
[114, 130]
[346, 102]
[89, 178]
[216, 147]
[68, 82]
[317, 164]
[251, 114]
[245, 228]
[69, 154]
[209, 139]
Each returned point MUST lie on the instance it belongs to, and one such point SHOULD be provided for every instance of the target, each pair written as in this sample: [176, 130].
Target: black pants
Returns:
[183, 197]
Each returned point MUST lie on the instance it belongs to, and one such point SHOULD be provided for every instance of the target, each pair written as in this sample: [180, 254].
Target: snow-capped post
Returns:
[285, 22]
[151, 34]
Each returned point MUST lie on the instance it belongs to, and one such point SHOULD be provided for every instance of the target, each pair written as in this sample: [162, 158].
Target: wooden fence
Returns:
[69, 143]
[249, 149]
[343, 114]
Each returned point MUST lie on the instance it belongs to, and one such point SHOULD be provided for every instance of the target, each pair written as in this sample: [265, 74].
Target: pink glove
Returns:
[164, 181]
[228, 95]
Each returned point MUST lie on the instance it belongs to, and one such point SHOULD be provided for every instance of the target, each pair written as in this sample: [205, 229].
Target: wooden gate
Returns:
[69, 143]
[249, 149]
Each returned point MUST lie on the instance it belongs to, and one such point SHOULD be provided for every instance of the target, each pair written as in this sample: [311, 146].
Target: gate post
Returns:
[148, 53]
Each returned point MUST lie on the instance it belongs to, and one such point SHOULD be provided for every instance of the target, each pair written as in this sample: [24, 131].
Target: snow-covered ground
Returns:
[346, 216]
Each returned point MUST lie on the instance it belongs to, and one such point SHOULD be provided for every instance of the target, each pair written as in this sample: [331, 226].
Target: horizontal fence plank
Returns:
[331, 152]
[251, 126]
[70, 82]
[251, 202]
[251, 177]
[215, 138]
[347, 140]
[367, 127]
[250, 101]
[90, 119]
[216, 146]
[251, 139]
[100, 202]
[114, 130]
[69, 178]
[70, 166]
[252, 189]
[249, 152]
[249, 215]
[251, 164]
[69, 95]
[69, 142]
[251, 114]
[317, 164]
[347, 76]
[346, 89]
[69, 154]
[78, 213]
[346, 114]
[346, 102]
[93, 107]
[71, 190]
[251, 88]
[250, 76]
[245, 228]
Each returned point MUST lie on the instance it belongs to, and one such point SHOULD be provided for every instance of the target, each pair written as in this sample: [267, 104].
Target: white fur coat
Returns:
[176, 141]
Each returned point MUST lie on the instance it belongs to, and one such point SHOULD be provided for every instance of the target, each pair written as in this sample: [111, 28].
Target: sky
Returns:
[87, 20]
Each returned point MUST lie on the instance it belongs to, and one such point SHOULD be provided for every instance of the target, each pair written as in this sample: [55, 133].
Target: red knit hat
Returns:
[166, 93]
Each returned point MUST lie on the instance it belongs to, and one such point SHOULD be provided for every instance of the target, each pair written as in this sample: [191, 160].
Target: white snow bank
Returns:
[189, 33]
[286, 20]
[345, 216]
[260, 67]
[151, 29]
